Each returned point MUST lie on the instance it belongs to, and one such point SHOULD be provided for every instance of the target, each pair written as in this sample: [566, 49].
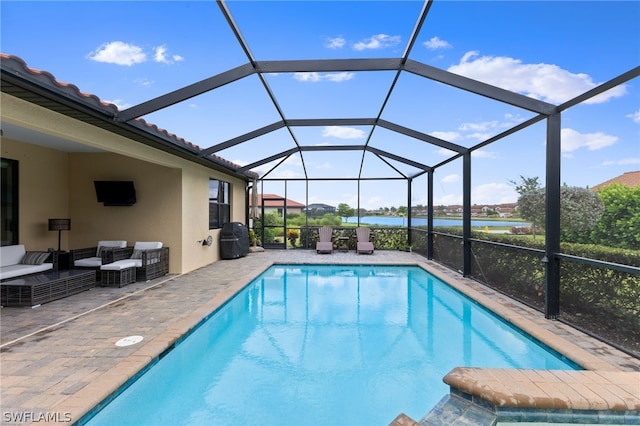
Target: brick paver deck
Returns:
[59, 360]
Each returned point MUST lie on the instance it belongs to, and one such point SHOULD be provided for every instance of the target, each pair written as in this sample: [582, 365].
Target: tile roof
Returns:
[276, 203]
[18, 67]
[630, 179]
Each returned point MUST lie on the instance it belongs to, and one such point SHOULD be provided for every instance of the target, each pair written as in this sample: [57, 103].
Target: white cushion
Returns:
[11, 255]
[88, 262]
[147, 245]
[11, 271]
[112, 243]
[120, 265]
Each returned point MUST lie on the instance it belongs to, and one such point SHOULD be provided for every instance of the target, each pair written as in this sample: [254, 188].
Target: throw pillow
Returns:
[137, 254]
[34, 257]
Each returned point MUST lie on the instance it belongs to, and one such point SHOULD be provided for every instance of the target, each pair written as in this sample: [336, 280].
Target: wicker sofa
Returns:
[15, 261]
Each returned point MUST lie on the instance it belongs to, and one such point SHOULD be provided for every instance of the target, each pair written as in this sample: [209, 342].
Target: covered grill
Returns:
[234, 240]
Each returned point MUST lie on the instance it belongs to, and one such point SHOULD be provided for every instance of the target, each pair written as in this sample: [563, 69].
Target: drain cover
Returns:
[129, 340]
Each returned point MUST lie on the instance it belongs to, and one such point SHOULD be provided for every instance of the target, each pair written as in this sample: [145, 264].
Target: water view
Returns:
[402, 221]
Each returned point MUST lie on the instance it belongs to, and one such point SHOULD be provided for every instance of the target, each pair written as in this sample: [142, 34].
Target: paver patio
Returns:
[60, 360]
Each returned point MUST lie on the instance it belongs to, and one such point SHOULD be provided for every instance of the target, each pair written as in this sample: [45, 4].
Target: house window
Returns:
[219, 204]
[9, 205]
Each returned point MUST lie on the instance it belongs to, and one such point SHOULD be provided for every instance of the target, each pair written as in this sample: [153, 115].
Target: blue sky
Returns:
[130, 52]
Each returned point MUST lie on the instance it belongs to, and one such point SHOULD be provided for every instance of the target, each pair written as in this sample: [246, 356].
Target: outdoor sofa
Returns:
[15, 261]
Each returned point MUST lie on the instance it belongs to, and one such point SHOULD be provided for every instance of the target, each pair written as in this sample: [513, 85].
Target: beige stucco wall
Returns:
[172, 192]
[43, 192]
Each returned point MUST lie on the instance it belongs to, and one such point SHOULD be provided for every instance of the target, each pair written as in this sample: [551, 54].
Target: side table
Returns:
[61, 260]
[343, 244]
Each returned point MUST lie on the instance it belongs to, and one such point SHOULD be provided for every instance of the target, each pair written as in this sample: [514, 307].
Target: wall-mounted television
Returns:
[115, 192]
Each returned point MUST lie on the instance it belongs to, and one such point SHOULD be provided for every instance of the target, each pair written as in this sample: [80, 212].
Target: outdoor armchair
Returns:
[364, 245]
[94, 257]
[325, 240]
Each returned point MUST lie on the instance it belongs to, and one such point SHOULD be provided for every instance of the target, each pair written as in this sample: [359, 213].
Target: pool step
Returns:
[455, 410]
[451, 410]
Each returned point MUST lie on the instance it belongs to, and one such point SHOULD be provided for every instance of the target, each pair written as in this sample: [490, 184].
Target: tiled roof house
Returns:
[58, 141]
[631, 179]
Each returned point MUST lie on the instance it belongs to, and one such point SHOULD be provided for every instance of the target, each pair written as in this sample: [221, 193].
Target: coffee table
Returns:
[34, 290]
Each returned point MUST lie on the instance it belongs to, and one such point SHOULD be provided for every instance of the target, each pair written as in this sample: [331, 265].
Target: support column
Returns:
[466, 213]
[409, 184]
[552, 219]
[430, 215]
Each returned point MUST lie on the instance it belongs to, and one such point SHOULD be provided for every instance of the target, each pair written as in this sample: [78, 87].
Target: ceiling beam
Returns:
[479, 88]
[397, 158]
[328, 65]
[243, 138]
[268, 159]
[185, 93]
[421, 136]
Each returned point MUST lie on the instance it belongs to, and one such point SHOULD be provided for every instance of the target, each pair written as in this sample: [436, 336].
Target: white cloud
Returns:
[120, 104]
[623, 162]
[315, 77]
[447, 200]
[481, 153]
[634, 116]
[378, 41]
[119, 53]
[342, 132]
[572, 140]
[160, 55]
[144, 82]
[540, 81]
[446, 152]
[435, 43]
[446, 136]
[493, 193]
[454, 178]
[335, 43]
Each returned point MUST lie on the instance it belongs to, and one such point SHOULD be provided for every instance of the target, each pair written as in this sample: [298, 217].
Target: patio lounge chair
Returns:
[364, 245]
[150, 260]
[325, 240]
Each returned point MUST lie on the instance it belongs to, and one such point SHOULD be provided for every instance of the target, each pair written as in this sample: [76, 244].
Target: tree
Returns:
[531, 206]
[344, 210]
[527, 184]
[619, 226]
[580, 211]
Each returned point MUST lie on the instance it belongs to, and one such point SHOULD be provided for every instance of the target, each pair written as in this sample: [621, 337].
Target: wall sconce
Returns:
[59, 225]
[206, 242]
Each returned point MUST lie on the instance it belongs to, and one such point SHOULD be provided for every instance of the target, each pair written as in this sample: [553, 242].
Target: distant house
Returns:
[630, 179]
[276, 203]
[318, 209]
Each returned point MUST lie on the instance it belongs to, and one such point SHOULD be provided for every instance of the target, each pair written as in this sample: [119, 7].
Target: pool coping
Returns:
[82, 401]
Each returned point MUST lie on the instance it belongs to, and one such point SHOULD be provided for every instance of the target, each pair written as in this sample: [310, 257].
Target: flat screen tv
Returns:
[115, 192]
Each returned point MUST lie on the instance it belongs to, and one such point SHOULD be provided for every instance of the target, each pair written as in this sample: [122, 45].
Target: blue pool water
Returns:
[325, 345]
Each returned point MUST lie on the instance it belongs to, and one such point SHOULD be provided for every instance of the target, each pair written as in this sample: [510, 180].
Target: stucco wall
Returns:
[43, 192]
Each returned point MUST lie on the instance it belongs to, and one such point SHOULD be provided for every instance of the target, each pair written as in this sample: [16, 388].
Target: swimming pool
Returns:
[325, 344]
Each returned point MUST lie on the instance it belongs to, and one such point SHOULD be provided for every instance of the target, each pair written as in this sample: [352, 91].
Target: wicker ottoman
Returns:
[118, 273]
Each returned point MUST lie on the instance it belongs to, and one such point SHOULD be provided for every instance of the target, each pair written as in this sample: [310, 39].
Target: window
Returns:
[219, 204]
[9, 208]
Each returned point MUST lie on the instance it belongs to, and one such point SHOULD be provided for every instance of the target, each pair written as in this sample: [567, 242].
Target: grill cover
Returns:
[234, 240]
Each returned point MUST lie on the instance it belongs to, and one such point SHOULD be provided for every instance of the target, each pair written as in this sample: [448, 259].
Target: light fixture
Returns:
[59, 225]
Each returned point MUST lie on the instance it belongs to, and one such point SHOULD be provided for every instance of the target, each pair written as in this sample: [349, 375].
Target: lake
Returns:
[402, 221]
